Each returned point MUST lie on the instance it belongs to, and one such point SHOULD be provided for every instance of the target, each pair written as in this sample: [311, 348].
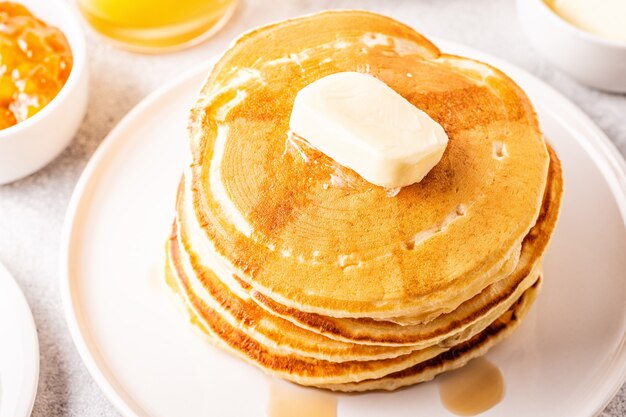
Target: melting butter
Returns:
[363, 124]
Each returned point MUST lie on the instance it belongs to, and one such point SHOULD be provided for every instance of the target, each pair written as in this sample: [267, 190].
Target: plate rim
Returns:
[29, 332]
[69, 309]
[596, 143]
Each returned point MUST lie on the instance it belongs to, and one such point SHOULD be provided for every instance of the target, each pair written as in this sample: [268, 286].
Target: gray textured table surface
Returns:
[32, 210]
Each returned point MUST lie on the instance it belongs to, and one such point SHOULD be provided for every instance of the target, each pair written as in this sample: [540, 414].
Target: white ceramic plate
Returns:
[567, 359]
[19, 350]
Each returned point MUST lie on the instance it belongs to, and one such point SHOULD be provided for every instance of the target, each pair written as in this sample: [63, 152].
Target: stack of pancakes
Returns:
[299, 266]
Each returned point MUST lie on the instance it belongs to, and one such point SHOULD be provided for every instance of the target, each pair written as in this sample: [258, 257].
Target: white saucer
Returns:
[19, 350]
[567, 359]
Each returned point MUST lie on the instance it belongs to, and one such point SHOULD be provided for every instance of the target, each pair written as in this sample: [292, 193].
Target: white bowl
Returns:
[591, 59]
[31, 144]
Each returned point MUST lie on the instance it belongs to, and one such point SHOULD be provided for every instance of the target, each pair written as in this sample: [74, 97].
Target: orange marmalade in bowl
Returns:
[35, 62]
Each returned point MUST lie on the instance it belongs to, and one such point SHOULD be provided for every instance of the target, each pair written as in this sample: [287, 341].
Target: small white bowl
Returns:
[31, 144]
[591, 59]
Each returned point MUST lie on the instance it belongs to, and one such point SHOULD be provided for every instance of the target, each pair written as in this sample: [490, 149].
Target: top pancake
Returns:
[314, 236]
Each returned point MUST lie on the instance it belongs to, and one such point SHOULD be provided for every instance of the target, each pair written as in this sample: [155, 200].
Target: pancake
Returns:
[279, 222]
[473, 316]
[259, 324]
[498, 296]
[286, 337]
[346, 376]
[300, 267]
[453, 358]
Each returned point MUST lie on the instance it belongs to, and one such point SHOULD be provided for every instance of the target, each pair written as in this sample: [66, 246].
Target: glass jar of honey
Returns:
[156, 25]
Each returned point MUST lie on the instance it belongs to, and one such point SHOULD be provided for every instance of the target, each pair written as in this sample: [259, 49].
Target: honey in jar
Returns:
[155, 25]
[35, 63]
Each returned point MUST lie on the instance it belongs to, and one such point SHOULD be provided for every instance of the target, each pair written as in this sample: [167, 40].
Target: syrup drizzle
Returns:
[473, 389]
[290, 401]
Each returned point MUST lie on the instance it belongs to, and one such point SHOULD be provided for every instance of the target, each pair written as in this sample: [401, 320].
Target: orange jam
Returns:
[35, 62]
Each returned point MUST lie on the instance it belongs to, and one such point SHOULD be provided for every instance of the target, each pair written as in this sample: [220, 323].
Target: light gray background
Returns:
[32, 210]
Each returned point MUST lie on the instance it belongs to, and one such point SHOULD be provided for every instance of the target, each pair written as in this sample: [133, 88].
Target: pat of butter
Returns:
[606, 18]
[363, 124]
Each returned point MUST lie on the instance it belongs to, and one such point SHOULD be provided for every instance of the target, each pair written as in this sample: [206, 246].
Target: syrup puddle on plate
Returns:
[473, 389]
[290, 401]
